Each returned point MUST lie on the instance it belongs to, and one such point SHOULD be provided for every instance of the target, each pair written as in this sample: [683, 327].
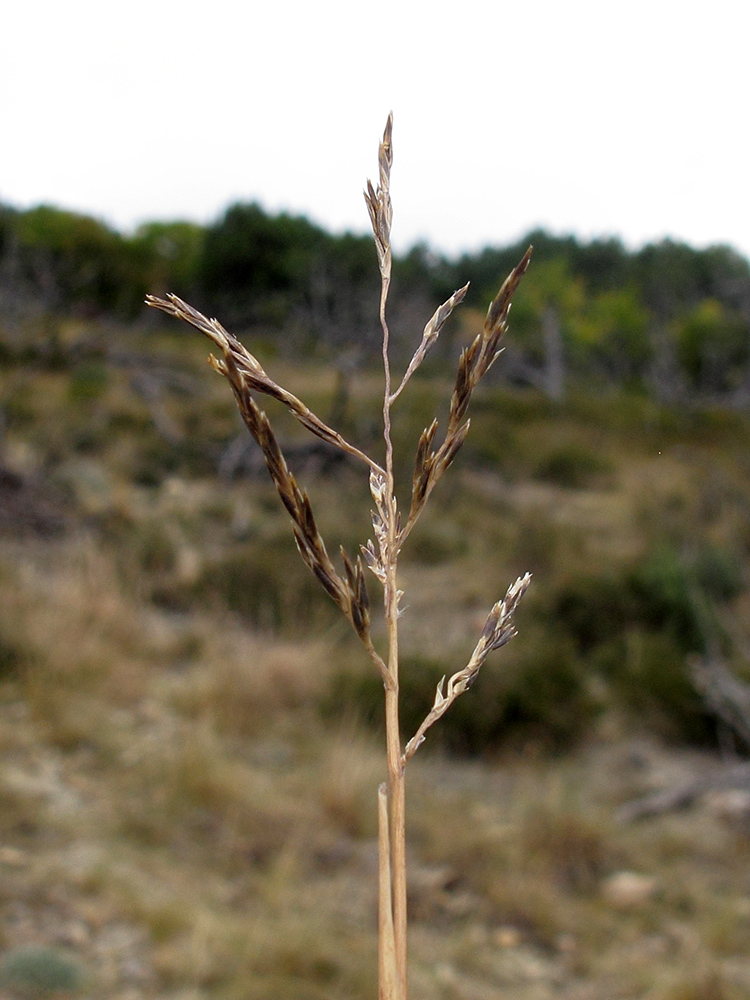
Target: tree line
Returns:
[668, 318]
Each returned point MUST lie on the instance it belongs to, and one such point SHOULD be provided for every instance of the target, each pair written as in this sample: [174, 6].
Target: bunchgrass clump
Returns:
[346, 583]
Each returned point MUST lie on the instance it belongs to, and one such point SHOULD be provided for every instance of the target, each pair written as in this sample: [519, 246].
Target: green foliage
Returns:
[284, 272]
[156, 552]
[673, 275]
[647, 674]
[718, 573]
[555, 287]
[592, 608]
[613, 336]
[670, 274]
[668, 599]
[437, 543]
[549, 699]
[251, 252]
[663, 593]
[11, 658]
[158, 458]
[604, 264]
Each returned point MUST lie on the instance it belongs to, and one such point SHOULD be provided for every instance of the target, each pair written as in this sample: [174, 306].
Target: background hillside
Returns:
[190, 737]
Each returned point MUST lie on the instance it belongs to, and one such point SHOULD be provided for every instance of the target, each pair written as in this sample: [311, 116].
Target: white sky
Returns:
[588, 116]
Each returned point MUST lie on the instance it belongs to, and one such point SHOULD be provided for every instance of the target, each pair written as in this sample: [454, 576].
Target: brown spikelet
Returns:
[423, 465]
[464, 383]
[245, 374]
[359, 603]
[424, 447]
[451, 447]
[498, 310]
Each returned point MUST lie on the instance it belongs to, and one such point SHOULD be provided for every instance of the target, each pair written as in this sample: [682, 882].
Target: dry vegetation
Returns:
[186, 788]
[186, 776]
[184, 831]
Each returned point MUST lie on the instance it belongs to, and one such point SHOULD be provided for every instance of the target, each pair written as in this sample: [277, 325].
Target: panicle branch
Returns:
[474, 363]
[244, 373]
[248, 373]
[498, 629]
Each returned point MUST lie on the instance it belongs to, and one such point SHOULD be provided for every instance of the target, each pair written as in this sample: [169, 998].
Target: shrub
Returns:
[88, 382]
[572, 467]
[637, 627]
[36, 973]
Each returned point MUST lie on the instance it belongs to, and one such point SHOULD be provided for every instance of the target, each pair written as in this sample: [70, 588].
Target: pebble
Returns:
[629, 890]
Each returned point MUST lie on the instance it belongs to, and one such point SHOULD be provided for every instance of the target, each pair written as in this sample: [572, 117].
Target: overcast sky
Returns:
[584, 116]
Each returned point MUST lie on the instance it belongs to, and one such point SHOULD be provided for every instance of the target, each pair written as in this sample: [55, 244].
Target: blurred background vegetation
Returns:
[667, 319]
[190, 735]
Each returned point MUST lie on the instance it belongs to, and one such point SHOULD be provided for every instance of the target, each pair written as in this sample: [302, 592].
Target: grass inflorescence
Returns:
[347, 586]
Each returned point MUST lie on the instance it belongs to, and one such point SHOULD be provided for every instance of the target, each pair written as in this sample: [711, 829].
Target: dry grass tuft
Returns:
[348, 772]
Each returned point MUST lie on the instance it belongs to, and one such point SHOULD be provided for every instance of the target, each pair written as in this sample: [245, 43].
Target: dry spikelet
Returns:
[379, 202]
[430, 335]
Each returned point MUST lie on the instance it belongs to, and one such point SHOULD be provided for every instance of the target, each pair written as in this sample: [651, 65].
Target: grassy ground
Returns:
[190, 739]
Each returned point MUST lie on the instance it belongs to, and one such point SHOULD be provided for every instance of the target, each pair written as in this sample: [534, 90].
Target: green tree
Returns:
[254, 265]
[546, 317]
[613, 335]
[73, 261]
[604, 264]
[170, 252]
[712, 347]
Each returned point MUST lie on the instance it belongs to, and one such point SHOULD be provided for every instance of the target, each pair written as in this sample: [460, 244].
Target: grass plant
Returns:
[391, 529]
